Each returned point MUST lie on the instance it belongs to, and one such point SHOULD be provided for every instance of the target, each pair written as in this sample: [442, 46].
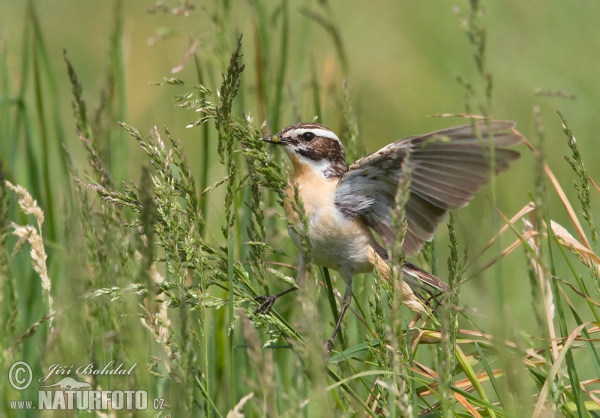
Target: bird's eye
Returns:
[308, 136]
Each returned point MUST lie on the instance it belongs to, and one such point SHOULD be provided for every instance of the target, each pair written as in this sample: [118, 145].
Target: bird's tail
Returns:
[419, 277]
[413, 277]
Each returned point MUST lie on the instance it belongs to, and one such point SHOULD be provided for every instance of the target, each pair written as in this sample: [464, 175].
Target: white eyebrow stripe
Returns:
[324, 133]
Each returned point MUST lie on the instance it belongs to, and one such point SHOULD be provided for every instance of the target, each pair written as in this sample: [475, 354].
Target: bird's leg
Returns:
[345, 305]
[267, 302]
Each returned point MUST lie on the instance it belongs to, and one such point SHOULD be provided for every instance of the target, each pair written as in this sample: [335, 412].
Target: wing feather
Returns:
[448, 168]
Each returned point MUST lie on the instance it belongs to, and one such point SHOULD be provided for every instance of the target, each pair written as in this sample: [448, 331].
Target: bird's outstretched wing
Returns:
[447, 168]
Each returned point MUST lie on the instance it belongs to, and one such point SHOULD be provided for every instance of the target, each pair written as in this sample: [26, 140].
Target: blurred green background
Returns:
[402, 63]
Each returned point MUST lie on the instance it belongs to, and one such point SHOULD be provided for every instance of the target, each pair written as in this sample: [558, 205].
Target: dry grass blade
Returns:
[543, 293]
[38, 254]
[237, 411]
[374, 395]
[554, 370]
[503, 254]
[568, 207]
[27, 203]
[464, 384]
[564, 238]
[528, 236]
[463, 401]
[459, 115]
[593, 183]
[591, 393]
[579, 292]
[526, 209]
[564, 201]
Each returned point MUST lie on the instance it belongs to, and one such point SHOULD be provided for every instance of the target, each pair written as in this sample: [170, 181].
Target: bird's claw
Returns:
[266, 303]
[329, 346]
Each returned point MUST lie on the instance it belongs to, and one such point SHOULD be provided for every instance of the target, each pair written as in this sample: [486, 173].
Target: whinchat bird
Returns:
[345, 205]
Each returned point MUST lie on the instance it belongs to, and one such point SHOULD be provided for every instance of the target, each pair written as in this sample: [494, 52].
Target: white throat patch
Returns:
[320, 167]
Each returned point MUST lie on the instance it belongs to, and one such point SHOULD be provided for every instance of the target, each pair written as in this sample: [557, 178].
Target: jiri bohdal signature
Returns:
[88, 369]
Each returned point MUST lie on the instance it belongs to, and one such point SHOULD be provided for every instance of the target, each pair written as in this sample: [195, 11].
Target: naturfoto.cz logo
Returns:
[69, 393]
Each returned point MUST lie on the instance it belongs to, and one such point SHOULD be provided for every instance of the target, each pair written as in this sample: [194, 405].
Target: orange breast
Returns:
[337, 242]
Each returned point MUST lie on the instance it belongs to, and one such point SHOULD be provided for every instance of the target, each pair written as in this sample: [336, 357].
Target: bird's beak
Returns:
[273, 139]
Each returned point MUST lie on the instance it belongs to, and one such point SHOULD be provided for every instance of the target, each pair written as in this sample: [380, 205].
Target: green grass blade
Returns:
[472, 376]
[283, 63]
[490, 373]
[560, 314]
[204, 151]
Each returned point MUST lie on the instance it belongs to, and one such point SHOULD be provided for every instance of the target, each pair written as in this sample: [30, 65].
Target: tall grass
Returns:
[144, 273]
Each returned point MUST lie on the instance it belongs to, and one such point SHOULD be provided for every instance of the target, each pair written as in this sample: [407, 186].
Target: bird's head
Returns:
[312, 146]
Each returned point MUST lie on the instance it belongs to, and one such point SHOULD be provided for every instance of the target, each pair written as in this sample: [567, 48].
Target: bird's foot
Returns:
[266, 303]
[329, 345]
